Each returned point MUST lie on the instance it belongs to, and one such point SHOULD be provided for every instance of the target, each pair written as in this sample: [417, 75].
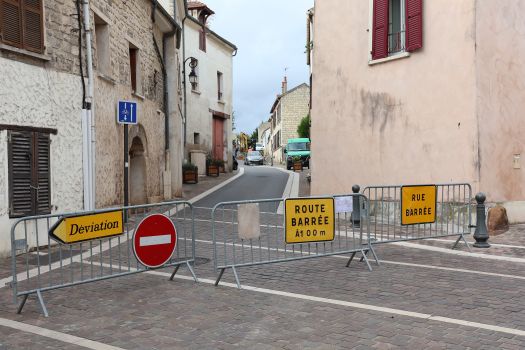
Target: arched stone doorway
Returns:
[137, 173]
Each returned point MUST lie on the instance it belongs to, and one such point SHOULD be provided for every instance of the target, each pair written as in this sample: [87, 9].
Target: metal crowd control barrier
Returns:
[452, 215]
[234, 249]
[53, 265]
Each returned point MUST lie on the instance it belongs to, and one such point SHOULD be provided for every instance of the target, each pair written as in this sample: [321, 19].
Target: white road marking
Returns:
[219, 186]
[434, 267]
[154, 240]
[63, 337]
[499, 245]
[457, 252]
[353, 305]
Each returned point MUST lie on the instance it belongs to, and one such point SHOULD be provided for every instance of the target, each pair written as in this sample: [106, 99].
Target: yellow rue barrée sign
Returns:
[309, 220]
[418, 204]
[76, 229]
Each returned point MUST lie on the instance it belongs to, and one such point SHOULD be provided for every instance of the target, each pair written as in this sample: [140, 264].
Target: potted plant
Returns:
[211, 167]
[297, 163]
[190, 173]
[220, 164]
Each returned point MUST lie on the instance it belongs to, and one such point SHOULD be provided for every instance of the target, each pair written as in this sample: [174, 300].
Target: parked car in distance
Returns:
[254, 157]
[259, 146]
[297, 148]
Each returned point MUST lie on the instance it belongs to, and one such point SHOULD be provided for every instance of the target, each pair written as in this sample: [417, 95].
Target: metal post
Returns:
[356, 203]
[126, 170]
[481, 234]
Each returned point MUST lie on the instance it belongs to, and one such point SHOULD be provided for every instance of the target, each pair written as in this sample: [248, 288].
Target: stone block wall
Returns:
[295, 106]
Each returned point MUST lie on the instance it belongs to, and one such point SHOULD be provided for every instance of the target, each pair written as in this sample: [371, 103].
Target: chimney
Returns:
[285, 85]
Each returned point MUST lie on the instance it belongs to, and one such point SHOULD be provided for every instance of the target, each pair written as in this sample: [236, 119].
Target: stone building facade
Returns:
[407, 101]
[144, 30]
[287, 112]
[41, 89]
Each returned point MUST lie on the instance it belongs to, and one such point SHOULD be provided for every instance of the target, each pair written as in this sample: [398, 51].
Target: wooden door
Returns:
[218, 138]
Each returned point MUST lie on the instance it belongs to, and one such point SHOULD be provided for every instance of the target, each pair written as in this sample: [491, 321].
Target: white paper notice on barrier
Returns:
[344, 204]
[249, 221]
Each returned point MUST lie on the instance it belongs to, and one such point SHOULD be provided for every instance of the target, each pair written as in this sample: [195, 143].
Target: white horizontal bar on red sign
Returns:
[155, 240]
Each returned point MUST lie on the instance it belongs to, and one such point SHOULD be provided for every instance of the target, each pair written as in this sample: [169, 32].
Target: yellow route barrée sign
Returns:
[309, 220]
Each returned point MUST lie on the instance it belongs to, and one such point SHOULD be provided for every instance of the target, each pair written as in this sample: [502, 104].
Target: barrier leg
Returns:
[174, 272]
[462, 237]
[192, 272]
[219, 278]
[236, 277]
[21, 306]
[365, 252]
[42, 305]
[371, 248]
[366, 260]
[350, 260]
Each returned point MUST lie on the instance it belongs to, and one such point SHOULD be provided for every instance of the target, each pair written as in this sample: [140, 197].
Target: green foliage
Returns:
[218, 162]
[189, 167]
[253, 139]
[304, 127]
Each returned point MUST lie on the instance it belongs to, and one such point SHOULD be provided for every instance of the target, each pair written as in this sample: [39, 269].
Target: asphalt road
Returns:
[256, 183]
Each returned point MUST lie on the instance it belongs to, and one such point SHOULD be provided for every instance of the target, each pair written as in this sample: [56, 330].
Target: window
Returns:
[29, 168]
[102, 46]
[133, 67]
[196, 138]
[397, 27]
[22, 24]
[219, 86]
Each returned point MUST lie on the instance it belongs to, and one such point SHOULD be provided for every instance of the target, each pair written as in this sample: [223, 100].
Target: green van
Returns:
[297, 148]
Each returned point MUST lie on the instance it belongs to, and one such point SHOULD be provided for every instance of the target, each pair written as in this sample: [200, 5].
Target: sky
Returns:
[270, 36]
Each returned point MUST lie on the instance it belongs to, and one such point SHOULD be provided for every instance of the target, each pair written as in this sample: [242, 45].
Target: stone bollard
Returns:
[481, 234]
[356, 204]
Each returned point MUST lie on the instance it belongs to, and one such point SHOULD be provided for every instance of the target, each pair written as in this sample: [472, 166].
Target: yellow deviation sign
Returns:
[75, 229]
[418, 204]
[309, 220]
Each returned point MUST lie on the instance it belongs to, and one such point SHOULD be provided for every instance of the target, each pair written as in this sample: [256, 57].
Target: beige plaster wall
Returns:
[217, 58]
[410, 120]
[501, 98]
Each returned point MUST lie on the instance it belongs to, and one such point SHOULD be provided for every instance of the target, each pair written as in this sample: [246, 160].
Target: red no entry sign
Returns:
[154, 240]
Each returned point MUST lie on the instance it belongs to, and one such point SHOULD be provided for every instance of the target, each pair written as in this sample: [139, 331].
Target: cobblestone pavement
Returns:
[416, 299]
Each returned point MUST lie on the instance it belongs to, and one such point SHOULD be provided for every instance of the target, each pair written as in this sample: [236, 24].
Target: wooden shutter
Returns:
[11, 23]
[202, 39]
[29, 169]
[33, 28]
[414, 25]
[380, 30]
[42, 170]
[20, 173]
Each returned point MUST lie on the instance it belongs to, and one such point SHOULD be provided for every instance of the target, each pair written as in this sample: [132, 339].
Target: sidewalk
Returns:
[206, 183]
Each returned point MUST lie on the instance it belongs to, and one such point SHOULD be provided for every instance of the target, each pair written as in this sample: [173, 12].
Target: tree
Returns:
[304, 127]
[253, 139]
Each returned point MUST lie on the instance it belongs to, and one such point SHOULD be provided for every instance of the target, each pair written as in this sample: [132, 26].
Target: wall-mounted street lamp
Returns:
[193, 81]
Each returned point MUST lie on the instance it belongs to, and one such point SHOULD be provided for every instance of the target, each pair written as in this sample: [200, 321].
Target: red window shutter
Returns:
[33, 25]
[11, 23]
[380, 30]
[414, 24]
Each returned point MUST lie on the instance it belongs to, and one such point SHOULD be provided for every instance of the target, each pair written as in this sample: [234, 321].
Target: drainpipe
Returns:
[89, 113]
[184, 79]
